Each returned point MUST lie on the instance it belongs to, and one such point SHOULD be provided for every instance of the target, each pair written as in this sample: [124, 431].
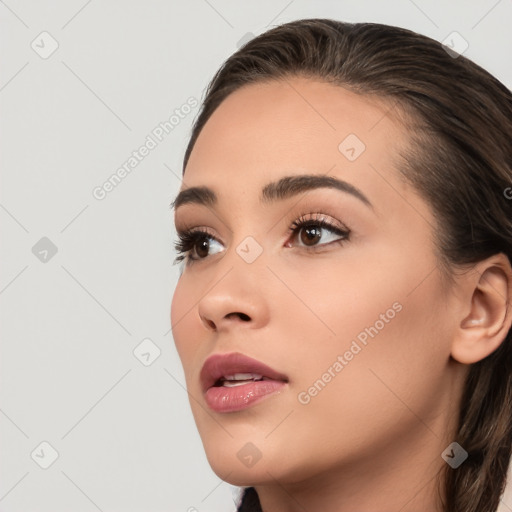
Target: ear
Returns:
[487, 315]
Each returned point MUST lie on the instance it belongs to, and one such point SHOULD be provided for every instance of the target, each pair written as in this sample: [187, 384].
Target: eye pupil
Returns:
[313, 234]
[203, 244]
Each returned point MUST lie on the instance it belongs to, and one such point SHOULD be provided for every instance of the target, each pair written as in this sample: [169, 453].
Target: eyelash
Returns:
[188, 238]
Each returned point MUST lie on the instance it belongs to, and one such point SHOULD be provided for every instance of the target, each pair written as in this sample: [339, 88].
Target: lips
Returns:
[237, 367]
[233, 382]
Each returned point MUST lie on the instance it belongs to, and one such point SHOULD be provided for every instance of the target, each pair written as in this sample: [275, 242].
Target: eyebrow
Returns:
[284, 188]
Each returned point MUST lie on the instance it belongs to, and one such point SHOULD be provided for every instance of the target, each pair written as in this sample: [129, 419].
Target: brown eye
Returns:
[310, 232]
[202, 246]
[194, 245]
[310, 235]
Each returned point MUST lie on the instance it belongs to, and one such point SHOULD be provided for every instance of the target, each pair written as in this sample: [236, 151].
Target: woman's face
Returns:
[358, 325]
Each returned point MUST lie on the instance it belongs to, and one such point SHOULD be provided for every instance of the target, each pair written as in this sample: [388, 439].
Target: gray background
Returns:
[71, 321]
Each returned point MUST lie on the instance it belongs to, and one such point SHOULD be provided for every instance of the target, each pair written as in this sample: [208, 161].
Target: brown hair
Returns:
[459, 157]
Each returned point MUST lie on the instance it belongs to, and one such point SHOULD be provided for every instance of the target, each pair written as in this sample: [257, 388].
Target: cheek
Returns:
[388, 303]
[182, 325]
[393, 372]
[364, 287]
[335, 299]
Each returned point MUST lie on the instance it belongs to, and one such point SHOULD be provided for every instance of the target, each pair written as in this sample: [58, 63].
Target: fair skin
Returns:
[372, 438]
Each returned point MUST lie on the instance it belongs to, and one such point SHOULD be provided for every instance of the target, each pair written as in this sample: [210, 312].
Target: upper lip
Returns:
[220, 365]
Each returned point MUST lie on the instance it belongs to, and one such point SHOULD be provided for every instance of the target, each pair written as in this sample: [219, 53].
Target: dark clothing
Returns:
[250, 501]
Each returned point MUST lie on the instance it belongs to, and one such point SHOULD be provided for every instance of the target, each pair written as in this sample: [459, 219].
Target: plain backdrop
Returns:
[93, 410]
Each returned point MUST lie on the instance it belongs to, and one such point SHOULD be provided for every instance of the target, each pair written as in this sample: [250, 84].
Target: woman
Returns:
[343, 312]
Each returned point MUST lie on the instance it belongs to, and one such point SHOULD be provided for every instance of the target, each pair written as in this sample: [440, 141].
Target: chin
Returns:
[235, 473]
[247, 465]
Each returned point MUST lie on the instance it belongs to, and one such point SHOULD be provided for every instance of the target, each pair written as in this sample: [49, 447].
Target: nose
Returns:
[235, 302]
[237, 316]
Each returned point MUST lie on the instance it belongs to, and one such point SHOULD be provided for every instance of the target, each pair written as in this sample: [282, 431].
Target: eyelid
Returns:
[188, 229]
[188, 236]
[293, 224]
[336, 228]
[314, 217]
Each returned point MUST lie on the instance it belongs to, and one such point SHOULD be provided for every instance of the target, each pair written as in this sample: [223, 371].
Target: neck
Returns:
[399, 479]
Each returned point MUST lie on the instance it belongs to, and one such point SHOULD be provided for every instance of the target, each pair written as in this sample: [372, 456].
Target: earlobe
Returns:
[486, 325]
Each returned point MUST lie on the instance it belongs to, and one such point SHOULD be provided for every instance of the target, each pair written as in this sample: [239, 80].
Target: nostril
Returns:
[211, 324]
[242, 316]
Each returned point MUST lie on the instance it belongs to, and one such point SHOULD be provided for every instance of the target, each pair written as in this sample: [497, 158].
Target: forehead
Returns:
[264, 131]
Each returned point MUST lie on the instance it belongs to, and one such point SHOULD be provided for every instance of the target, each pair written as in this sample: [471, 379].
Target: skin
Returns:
[372, 438]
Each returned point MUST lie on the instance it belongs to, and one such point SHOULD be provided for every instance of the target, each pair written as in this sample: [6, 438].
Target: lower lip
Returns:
[223, 399]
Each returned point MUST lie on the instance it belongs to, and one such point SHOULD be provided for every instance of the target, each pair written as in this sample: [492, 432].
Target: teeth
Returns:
[239, 379]
[243, 376]
[232, 384]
